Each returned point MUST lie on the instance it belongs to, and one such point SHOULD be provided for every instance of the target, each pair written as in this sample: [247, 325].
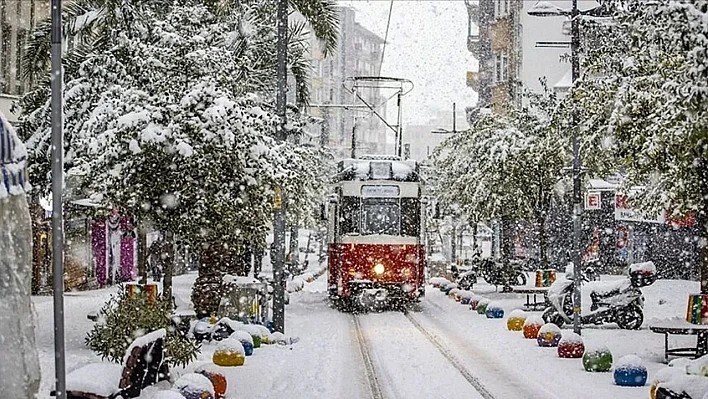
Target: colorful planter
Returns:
[194, 386]
[482, 306]
[229, 353]
[516, 320]
[697, 309]
[571, 346]
[544, 278]
[549, 336]
[599, 360]
[630, 372]
[218, 380]
[494, 311]
[532, 325]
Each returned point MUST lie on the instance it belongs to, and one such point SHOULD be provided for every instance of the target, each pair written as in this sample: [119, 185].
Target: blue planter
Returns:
[631, 377]
[494, 313]
[247, 347]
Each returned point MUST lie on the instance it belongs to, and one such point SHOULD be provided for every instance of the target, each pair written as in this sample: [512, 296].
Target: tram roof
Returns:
[378, 168]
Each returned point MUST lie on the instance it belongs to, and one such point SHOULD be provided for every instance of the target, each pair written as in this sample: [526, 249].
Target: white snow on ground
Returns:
[407, 364]
[326, 362]
[522, 359]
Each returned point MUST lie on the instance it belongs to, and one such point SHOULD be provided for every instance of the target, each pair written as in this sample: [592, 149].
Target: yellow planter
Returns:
[515, 323]
[228, 359]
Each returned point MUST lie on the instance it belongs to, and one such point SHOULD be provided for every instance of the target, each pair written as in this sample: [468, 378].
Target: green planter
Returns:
[597, 361]
[256, 341]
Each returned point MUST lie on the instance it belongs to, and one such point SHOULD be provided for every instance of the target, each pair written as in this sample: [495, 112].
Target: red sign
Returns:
[593, 201]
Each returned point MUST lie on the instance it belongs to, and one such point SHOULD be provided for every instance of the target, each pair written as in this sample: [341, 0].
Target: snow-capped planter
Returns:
[436, 282]
[630, 372]
[256, 334]
[450, 287]
[465, 297]
[229, 353]
[308, 277]
[482, 305]
[279, 338]
[218, 381]
[516, 320]
[549, 335]
[494, 311]
[532, 325]
[474, 301]
[294, 285]
[453, 293]
[597, 360]
[194, 386]
[571, 346]
[246, 340]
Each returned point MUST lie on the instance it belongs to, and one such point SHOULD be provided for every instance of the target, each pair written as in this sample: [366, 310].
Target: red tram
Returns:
[376, 230]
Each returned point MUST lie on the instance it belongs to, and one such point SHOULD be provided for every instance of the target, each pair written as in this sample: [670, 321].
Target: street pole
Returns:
[57, 206]
[577, 204]
[278, 253]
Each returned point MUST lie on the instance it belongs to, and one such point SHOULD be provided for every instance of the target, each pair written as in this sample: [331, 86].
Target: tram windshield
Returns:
[381, 216]
[391, 216]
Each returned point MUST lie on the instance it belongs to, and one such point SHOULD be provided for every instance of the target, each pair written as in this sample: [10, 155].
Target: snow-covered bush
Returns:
[124, 318]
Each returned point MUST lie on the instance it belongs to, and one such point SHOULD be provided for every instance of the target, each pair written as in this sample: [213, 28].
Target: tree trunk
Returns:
[169, 266]
[453, 249]
[142, 253]
[506, 239]
[542, 239]
[294, 250]
[474, 238]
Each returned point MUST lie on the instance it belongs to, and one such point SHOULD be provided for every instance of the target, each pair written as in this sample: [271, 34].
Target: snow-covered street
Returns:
[437, 349]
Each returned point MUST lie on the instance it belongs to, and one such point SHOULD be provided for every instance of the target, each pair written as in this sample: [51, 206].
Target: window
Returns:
[501, 67]
[381, 216]
[501, 8]
[410, 217]
[349, 215]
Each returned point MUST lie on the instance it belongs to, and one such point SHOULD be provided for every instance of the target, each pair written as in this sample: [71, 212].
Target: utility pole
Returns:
[574, 13]
[278, 252]
[577, 203]
[57, 205]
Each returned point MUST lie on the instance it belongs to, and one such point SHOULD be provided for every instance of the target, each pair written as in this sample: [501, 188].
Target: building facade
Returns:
[342, 115]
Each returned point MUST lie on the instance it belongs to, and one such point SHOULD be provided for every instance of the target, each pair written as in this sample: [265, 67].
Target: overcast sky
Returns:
[427, 45]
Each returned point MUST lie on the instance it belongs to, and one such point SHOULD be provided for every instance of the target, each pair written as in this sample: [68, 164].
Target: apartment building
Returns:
[515, 50]
[17, 17]
[341, 113]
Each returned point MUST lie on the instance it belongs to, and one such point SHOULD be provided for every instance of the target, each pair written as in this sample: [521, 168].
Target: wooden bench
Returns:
[141, 367]
[682, 327]
[533, 292]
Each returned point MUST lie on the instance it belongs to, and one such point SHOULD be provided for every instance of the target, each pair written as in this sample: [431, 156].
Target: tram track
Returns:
[449, 356]
[369, 370]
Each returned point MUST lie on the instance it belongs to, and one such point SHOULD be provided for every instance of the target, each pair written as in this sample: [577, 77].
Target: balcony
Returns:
[473, 45]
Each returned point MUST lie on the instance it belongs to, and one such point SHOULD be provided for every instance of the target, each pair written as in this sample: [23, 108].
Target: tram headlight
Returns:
[379, 268]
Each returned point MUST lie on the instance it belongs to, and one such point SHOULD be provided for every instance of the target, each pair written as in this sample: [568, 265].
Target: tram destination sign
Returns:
[380, 191]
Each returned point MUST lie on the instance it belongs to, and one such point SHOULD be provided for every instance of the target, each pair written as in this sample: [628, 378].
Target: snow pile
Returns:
[239, 280]
[694, 386]
[167, 395]
[438, 281]
[645, 268]
[568, 337]
[605, 287]
[629, 362]
[230, 345]
[518, 314]
[242, 336]
[465, 294]
[99, 378]
[296, 284]
[698, 366]
[194, 384]
[534, 320]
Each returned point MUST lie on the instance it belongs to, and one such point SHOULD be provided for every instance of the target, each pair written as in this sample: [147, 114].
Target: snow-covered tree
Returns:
[505, 167]
[645, 97]
[176, 126]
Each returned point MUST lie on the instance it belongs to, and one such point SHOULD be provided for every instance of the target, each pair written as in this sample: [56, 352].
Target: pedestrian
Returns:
[19, 369]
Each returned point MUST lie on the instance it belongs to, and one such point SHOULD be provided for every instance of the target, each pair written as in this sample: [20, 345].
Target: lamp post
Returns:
[278, 253]
[547, 9]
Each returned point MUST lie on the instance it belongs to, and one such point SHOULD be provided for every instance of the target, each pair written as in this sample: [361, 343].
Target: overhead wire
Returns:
[388, 24]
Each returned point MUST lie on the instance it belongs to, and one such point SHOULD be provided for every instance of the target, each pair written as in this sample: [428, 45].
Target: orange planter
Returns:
[531, 331]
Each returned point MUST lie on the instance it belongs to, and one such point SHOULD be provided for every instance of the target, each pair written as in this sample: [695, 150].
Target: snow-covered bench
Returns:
[141, 368]
[682, 327]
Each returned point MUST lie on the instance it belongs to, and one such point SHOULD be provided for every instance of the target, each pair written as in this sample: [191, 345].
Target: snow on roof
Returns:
[600, 184]
[646, 267]
[99, 378]
[565, 82]
[145, 340]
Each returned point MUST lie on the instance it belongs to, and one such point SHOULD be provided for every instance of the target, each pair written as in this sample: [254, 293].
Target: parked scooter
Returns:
[618, 301]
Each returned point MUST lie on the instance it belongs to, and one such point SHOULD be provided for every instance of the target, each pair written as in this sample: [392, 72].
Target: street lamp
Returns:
[547, 9]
